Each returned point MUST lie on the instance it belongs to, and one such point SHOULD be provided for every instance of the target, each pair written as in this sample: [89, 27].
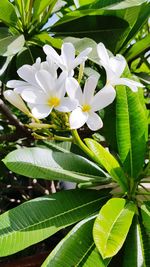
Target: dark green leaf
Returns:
[131, 129]
[98, 28]
[76, 249]
[138, 48]
[40, 218]
[46, 164]
[134, 254]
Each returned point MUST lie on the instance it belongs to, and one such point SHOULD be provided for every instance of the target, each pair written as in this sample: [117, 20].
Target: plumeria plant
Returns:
[59, 100]
[76, 109]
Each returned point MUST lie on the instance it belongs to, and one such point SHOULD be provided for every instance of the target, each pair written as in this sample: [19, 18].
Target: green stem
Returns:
[81, 69]
[29, 52]
[62, 138]
[77, 140]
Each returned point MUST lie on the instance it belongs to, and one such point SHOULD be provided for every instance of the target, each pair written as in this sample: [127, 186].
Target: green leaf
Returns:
[120, 4]
[99, 28]
[131, 129]
[137, 48]
[85, 2]
[46, 164]
[76, 249]
[137, 17]
[7, 13]
[134, 254]
[5, 41]
[104, 158]
[40, 218]
[112, 225]
[39, 6]
[44, 38]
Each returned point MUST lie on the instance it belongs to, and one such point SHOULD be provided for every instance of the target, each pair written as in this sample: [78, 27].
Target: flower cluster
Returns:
[44, 90]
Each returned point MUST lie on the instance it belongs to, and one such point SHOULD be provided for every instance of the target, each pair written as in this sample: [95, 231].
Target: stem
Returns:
[81, 69]
[30, 52]
[62, 138]
[77, 140]
[12, 119]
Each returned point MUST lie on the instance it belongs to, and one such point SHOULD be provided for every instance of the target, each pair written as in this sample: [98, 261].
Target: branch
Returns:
[21, 130]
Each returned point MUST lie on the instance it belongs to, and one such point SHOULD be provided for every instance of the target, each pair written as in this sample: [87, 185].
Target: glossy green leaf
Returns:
[112, 225]
[23, 7]
[138, 48]
[44, 38]
[98, 28]
[39, 6]
[119, 4]
[7, 13]
[76, 249]
[46, 164]
[137, 17]
[9, 40]
[40, 218]
[134, 254]
[86, 2]
[104, 158]
[131, 128]
[145, 230]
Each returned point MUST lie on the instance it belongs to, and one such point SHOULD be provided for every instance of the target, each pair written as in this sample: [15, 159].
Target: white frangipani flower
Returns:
[50, 95]
[67, 60]
[114, 67]
[16, 100]
[27, 73]
[88, 103]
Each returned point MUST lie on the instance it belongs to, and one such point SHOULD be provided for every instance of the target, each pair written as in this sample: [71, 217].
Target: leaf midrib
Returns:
[119, 215]
[54, 217]
[59, 170]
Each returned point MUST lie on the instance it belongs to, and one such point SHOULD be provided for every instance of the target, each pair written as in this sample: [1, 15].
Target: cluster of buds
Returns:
[46, 91]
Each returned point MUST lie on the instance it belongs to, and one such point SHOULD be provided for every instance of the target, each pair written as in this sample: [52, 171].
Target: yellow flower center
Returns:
[86, 108]
[53, 101]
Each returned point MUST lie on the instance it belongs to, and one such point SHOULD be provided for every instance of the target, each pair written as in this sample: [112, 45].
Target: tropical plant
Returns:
[109, 209]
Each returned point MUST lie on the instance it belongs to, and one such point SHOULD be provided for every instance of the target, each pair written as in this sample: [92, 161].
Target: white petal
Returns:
[67, 105]
[81, 57]
[117, 64]
[27, 73]
[35, 97]
[89, 89]
[60, 85]
[103, 98]
[94, 122]
[77, 118]
[40, 111]
[52, 54]
[45, 81]
[16, 101]
[50, 66]
[133, 85]
[20, 89]
[15, 83]
[68, 54]
[74, 90]
[102, 53]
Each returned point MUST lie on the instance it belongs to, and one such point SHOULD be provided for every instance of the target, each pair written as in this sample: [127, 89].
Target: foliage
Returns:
[104, 222]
